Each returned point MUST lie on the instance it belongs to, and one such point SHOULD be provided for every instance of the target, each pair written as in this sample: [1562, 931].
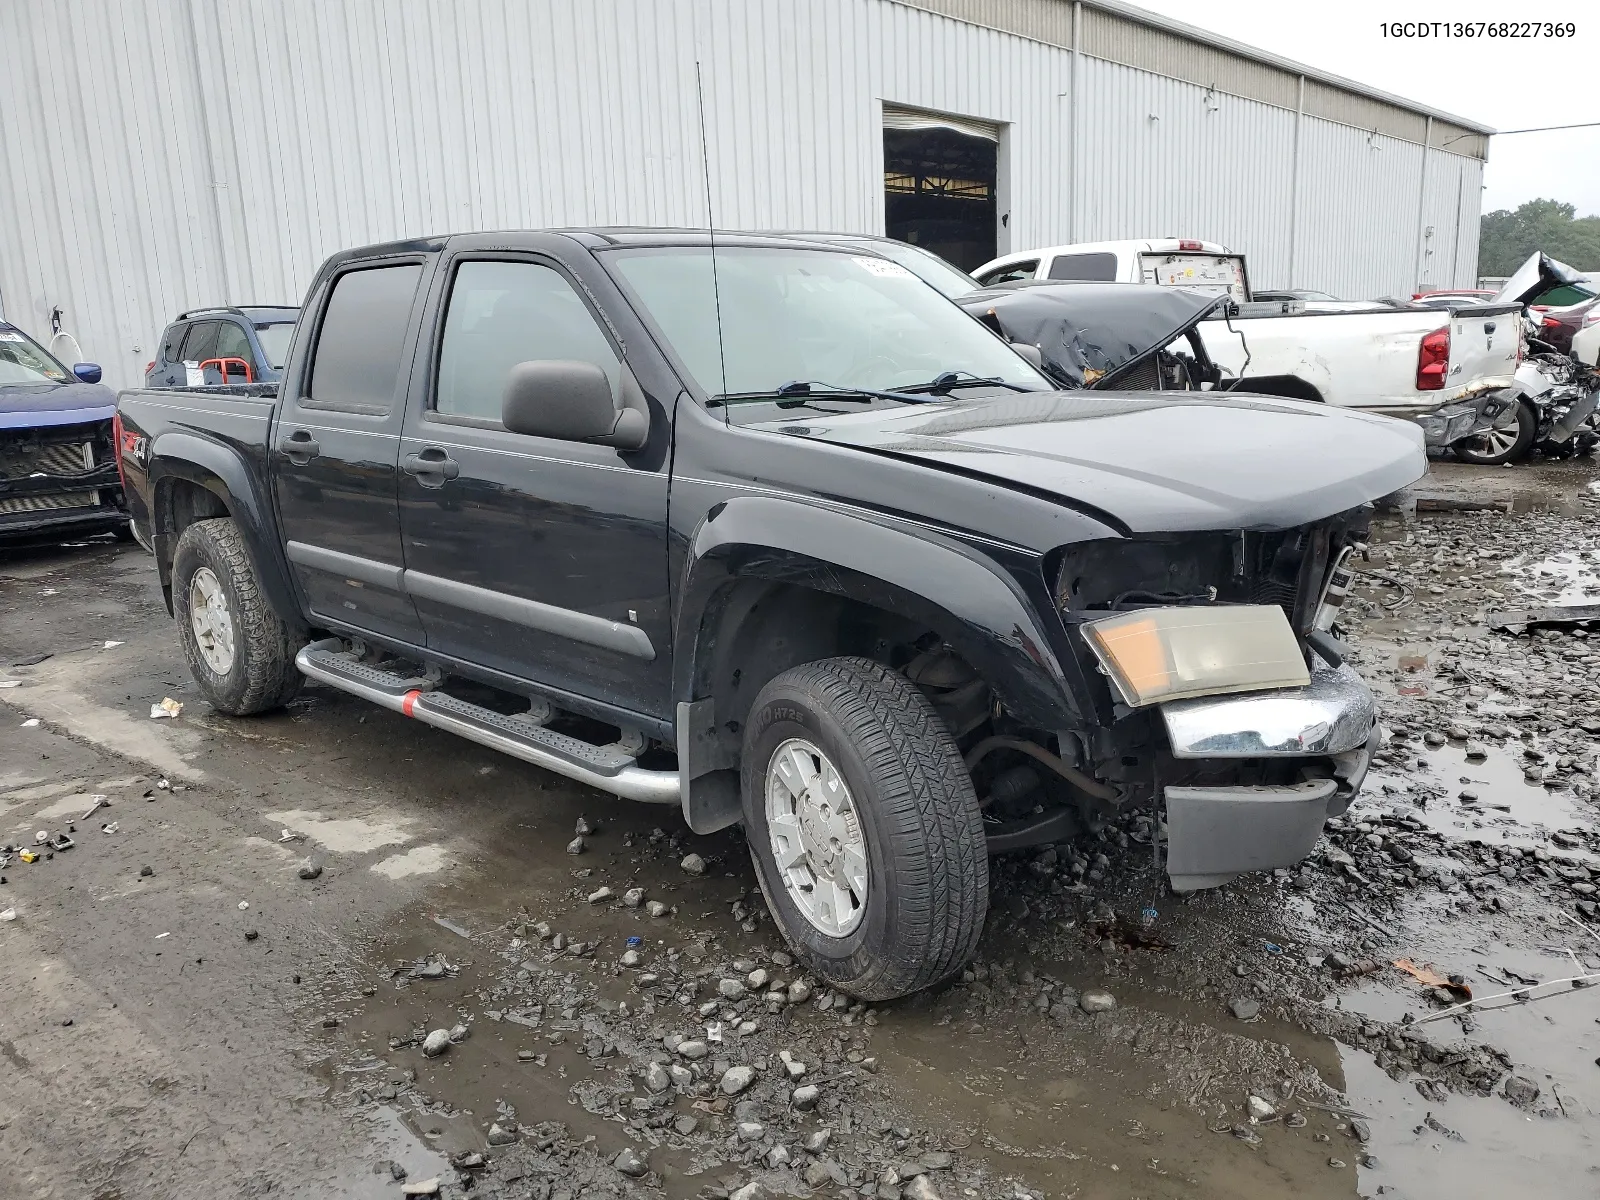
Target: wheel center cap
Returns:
[822, 848]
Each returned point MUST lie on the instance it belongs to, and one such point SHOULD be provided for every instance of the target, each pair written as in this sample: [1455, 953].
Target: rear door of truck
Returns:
[336, 445]
[1201, 270]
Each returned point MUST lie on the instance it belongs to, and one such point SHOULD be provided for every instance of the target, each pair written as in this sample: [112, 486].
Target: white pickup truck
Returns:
[1378, 357]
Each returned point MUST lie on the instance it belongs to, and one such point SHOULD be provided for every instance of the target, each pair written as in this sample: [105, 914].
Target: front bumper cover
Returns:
[1215, 833]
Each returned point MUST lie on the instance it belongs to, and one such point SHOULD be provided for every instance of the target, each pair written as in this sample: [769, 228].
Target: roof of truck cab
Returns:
[594, 237]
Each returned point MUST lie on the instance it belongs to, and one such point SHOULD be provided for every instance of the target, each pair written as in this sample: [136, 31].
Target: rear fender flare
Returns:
[219, 470]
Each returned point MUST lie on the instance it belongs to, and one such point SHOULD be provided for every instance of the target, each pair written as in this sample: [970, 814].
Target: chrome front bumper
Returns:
[1215, 833]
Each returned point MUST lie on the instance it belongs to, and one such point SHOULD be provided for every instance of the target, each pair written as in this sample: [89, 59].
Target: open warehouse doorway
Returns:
[939, 180]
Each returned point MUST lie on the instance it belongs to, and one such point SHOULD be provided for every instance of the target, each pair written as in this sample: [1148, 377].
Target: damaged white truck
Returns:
[1425, 364]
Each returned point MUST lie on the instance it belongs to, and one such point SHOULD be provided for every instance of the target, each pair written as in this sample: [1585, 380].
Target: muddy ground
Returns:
[182, 1014]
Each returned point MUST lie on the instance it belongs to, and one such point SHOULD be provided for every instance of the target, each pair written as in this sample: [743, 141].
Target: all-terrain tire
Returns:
[1493, 450]
[262, 675]
[928, 890]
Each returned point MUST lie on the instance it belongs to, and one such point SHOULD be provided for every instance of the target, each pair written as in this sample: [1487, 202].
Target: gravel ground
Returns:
[455, 996]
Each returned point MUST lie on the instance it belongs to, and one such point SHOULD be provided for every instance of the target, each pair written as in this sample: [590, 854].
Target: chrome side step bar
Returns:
[602, 767]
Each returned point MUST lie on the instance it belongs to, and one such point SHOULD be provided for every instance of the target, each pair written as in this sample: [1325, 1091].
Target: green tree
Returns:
[1507, 237]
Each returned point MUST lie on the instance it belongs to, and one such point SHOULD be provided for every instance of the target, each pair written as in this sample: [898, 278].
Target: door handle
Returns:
[299, 447]
[431, 467]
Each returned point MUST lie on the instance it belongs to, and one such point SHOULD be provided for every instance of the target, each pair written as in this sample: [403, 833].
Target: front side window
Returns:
[505, 313]
[274, 339]
[232, 342]
[1010, 274]
[357, 363]
[754, 319]
[24, 361]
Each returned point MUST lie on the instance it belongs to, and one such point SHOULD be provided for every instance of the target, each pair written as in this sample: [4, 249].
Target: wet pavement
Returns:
[204, 1061]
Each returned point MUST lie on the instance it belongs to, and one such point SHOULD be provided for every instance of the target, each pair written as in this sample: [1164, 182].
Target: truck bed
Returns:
[1367, 359]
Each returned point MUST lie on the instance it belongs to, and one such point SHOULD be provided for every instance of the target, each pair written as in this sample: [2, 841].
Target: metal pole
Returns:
[1073, 204]
[1422, 197]
[1294, 180]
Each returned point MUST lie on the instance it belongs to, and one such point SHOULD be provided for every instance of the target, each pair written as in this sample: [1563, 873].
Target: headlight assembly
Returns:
[1157, 654]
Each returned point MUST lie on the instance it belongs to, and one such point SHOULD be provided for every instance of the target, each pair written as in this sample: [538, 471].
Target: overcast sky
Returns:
[1504, 84]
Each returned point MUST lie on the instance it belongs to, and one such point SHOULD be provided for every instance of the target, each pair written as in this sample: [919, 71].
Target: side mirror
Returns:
[569, 400]
[87, 372]
[1031, 353]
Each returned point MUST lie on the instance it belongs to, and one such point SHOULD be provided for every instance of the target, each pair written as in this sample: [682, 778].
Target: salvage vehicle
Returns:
[1111, 336]
[227, 345]
[1551, 404]
[1381, 358]
[58, 474]
[772, 532]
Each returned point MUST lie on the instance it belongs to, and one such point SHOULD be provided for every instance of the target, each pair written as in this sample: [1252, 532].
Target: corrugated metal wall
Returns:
[217, 150]
[1161, 158]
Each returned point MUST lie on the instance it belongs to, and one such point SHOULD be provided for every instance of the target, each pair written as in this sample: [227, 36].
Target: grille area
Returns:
[50, 458]
[27, 504]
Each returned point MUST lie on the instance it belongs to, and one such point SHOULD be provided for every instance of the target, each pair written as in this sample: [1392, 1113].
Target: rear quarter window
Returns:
[1100, 267]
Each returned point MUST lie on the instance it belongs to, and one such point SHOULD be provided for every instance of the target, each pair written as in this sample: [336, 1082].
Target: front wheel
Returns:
[1509, 442]
[240, 651]
[864, 828]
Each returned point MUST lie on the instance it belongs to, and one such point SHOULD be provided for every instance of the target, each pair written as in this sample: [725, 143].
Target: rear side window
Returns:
[357, 361]
[171, 341]
[505, 313]
[1094, 268]
[1010, 274]
[201, 343]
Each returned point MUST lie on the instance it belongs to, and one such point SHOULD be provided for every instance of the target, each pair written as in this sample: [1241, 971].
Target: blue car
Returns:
[245, 344]
[58, 467]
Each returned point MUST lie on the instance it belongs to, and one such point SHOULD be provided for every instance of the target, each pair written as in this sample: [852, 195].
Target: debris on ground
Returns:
[1428, 977]
[693, 864]
[166, 708]
[310, 869]
[1519, 620]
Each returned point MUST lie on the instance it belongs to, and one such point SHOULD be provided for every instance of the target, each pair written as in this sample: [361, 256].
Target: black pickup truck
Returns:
[771, 530]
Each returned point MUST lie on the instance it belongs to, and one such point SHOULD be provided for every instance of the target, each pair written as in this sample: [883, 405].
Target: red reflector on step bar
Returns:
[410, 701]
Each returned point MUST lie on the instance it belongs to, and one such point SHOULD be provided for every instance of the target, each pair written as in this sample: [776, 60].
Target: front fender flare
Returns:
[969, 600]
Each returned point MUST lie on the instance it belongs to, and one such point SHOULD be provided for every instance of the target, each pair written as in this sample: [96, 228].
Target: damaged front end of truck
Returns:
[1230, 704]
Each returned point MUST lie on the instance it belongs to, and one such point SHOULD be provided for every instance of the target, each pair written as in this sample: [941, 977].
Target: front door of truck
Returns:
[542, 559]
[335, 447]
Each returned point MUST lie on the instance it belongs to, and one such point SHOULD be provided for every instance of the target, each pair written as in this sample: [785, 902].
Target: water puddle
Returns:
[1506, 1151]
[1567, 577]
[1488, 800]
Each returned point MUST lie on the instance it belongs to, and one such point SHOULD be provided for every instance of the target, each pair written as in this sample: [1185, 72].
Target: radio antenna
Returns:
[711, 226]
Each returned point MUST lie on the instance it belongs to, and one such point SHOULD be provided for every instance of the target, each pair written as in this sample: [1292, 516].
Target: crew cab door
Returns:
[541, 559]
[335, 445]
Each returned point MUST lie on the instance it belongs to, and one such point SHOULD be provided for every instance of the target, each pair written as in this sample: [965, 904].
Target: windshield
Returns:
[928, 267]
[274, 341]
[23, 361]
[797, 314]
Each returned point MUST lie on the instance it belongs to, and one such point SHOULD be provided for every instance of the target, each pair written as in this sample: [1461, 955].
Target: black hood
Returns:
[1155, 462]
[1087, 332]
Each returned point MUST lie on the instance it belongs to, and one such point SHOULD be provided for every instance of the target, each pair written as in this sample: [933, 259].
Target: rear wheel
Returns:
[240, 651]
[865, 831]
[1509, 442]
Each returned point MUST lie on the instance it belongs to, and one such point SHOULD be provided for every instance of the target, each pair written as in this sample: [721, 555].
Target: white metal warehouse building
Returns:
[157, 155]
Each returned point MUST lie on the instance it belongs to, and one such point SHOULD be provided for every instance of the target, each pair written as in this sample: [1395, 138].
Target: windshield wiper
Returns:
[947, 381]
[797, 391]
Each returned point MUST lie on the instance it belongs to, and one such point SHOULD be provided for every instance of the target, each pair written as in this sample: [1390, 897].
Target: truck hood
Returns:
[1089, 334]
[35, 405]
[1155, 462]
